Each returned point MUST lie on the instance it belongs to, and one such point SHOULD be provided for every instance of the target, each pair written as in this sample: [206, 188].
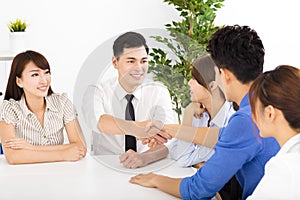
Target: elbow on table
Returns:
[12, 159]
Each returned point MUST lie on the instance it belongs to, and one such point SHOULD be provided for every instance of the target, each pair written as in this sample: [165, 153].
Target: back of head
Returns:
[238, 49]
[281, 89]
[128, 40]
[18, 65]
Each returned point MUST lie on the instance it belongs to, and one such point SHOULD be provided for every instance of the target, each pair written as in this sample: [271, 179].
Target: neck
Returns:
[242, 90]
[283, 132]
[35, 104]
[127, 88]
[216, 104]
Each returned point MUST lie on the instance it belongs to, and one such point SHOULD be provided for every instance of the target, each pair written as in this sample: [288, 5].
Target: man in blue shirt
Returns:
[239, 150]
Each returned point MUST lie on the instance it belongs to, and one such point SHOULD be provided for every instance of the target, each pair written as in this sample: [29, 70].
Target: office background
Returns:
[66, 32]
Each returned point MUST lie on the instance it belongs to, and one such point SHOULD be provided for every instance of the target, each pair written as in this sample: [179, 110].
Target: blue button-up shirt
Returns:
[240, 151]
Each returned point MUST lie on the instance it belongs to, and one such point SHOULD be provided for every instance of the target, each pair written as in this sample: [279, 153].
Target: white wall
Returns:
[67, 31]
[276, 22]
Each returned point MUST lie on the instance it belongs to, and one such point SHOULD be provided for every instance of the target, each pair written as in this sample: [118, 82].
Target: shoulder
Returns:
[10, 105]
[10, 111]
[57, 101]
[154, 86]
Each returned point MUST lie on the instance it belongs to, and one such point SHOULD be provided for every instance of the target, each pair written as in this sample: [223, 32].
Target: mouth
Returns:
[43, 88]
[137, 76]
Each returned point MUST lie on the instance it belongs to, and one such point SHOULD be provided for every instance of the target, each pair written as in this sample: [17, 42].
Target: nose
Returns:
[43, 78]
[190, 82]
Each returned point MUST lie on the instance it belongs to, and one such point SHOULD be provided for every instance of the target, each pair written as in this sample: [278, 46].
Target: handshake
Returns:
[151, 132]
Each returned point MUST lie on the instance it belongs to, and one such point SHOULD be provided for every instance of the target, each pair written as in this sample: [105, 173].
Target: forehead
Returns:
[138, 52]
[31, 66]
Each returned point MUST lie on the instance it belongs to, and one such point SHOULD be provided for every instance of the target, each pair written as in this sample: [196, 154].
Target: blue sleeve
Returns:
[236, 146]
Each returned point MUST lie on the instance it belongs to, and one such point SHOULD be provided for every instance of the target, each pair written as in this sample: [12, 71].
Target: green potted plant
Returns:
[17, 30]
[187, 42]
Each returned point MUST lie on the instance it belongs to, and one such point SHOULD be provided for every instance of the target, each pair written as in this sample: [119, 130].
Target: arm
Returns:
[112, 125]
[186, 153]
[19, 151]
[132, 159]
[164, 183]
[192, 110]
[206, 136]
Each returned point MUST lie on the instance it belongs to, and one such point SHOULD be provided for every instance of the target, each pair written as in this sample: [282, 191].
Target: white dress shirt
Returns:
[151, 101]
[282, 174]
[187, 153]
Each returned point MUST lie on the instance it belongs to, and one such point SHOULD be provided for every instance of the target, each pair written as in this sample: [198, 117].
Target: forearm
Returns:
[24, 156]
[168, 185]
[112, 125]
[56, 147]
[155, 153]
[198, 135]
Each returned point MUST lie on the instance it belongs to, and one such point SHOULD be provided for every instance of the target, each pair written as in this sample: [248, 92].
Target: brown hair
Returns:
[20, 61]
[203, 70]
[281, 89]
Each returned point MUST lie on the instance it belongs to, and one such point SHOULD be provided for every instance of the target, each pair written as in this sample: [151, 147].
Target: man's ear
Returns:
[226, 75]
[19, 82]
[115, 62]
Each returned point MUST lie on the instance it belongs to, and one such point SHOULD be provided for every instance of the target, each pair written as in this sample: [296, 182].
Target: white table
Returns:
[86, 179]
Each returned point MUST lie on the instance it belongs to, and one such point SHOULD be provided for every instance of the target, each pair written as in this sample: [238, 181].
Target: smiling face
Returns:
[34, 81]
[132, 67]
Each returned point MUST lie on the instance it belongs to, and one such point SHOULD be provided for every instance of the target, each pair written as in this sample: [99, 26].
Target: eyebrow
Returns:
[37, 70]
[133, 58]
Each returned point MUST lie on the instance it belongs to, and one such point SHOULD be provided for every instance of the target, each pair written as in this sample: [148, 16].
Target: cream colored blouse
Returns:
[59, 111]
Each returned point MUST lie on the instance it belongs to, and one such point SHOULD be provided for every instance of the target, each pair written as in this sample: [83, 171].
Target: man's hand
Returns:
[132, 159]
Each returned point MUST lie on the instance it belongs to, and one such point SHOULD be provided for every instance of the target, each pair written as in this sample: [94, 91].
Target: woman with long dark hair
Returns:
[33, 118]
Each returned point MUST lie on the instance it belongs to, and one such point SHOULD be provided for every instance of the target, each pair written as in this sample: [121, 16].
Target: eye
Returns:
[130, 61]
[144, 61]
[34, 74]
[47, 72]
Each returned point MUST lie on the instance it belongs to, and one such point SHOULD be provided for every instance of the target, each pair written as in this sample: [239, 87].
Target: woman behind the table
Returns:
[33, 118]
[275, 104]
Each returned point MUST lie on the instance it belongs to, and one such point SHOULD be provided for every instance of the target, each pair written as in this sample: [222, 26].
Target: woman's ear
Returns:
[19, 82]
[212, 85]
[269, 113]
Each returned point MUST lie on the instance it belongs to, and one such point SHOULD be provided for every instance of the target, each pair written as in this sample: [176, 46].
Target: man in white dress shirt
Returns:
[106, 103]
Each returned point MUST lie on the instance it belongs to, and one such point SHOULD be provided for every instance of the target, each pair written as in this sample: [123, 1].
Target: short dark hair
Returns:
[274, 88]
[128, 40]
[17, 67]
[238, 49]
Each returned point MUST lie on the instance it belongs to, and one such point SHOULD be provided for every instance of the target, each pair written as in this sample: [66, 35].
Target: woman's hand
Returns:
[18, 143]
[195, 109]
[74, 153]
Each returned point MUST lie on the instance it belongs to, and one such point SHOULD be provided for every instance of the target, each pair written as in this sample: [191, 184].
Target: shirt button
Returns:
[44, 136]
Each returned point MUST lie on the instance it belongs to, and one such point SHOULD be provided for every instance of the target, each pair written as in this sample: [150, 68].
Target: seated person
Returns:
[215, 113]
[120, 101]
[239, 151]
[276, 112]
[33, 118]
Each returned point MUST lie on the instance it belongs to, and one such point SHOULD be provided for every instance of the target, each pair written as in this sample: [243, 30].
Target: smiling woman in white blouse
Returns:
[33, 118]
[275, 104]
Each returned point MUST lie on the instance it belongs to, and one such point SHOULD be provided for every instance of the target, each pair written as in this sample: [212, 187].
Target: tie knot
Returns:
[129, 97]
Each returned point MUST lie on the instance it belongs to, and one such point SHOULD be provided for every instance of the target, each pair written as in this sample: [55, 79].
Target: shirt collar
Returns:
[289, 144]
[49, 105]
[221, 117]
[245, 101]
[121, 93]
